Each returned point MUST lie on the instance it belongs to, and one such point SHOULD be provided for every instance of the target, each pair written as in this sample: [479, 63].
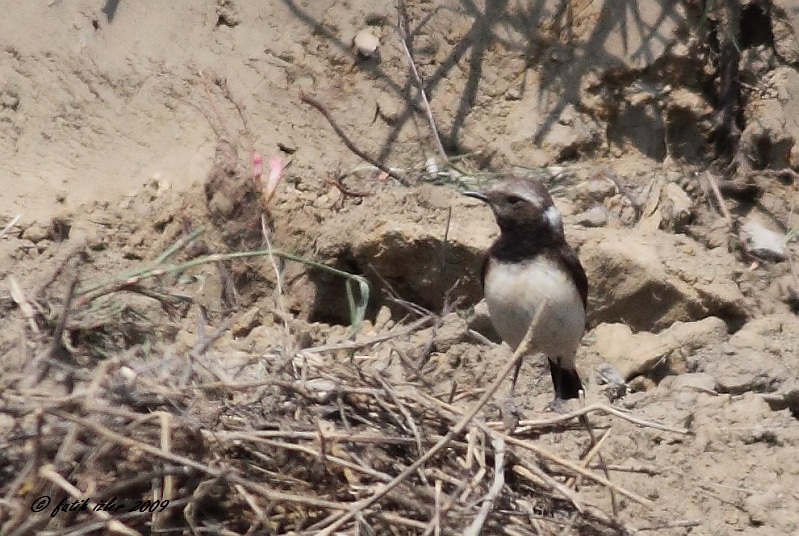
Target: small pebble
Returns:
[366, 43]
[763, 242]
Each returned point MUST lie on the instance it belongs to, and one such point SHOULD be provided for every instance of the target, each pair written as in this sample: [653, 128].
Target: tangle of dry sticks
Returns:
[341, 444]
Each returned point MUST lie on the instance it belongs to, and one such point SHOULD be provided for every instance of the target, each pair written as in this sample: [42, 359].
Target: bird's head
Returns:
[522, 206]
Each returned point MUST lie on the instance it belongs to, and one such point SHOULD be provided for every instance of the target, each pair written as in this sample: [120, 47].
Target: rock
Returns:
[513, 94]
[667, 207]
[641, 384]
[778, 325]
[609, 376]
[593, 217]
[383, 319]
[227, 14]
[748, 410]
[649, 280]
[405, 255]
[676, 208]
[697, 381]
[760, 506]
[684, 399]
[246, 322]
[687, 114]
[25, 249]
[686, 100]
[366, 44]
[752, 359]
[758, 434]
[451, 331]
[623, 209]
[763, 242]
[756, 62]
[636, 399]
[389, 107]
[635, 354]
[773, 123]
[747, 339]
[35, 233]
[785, 29]
[749, 371]
[786, 399]
[589, 193]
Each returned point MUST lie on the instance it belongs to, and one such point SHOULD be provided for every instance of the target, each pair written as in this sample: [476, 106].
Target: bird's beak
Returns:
[477, 195]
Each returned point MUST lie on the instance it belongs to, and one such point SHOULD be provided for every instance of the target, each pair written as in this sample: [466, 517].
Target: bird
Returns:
[531, 263]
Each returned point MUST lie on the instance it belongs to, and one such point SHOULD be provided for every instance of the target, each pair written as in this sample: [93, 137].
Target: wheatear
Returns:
[529, 263]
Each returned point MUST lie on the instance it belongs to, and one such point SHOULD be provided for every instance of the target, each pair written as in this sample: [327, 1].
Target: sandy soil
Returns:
[120, 133]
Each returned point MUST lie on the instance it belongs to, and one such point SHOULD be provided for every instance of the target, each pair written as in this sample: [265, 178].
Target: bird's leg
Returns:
[515, 376]
[557, 405]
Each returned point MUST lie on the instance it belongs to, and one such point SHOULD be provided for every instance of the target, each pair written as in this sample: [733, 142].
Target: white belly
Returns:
[515, 291]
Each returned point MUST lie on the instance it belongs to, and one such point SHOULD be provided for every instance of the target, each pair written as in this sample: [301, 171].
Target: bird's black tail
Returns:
[566, 381]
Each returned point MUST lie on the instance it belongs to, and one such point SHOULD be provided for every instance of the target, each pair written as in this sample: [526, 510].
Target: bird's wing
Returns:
[575, 267]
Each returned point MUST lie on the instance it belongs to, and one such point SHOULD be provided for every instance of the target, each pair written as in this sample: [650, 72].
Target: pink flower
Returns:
[276, 166]
[267, 187]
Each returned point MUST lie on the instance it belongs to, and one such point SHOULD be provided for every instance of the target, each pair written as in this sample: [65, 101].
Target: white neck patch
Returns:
[552, 216]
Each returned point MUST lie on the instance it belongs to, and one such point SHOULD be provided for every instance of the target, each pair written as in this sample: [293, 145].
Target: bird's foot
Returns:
[558, 405]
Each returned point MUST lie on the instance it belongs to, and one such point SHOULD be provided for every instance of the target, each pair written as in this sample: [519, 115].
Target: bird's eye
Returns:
[514, 199]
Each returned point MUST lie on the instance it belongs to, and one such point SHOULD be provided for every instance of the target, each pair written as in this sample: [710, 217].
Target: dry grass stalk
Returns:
[714, 186]
[10, 225]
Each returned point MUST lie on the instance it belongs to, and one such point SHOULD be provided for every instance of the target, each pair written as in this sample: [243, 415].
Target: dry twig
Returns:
[404, 36]
[476, 528]
[348, 142]
[714, 186]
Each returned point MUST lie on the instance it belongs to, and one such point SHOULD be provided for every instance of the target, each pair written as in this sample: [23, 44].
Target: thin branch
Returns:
[9, 225]
[48, 472]
[529, 425]
[349, 143]
[476, 528]
[57, 344]
[404, 39]
[714, 186]
[354, 345]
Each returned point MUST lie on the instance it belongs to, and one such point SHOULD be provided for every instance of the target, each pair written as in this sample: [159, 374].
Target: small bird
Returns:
[529, 263]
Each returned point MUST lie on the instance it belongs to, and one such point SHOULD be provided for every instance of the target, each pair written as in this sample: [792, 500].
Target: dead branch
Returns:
[349, 143]
[402, 29]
